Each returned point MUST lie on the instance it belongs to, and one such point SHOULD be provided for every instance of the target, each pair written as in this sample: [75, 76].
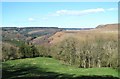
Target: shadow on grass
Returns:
[32, 72]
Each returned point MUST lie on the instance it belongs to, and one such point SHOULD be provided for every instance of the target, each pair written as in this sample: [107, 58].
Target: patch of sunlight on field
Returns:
[52, 65]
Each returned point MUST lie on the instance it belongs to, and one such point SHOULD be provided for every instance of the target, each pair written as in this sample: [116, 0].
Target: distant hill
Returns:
[28, 34]
[77, 28]
[111, 27]
[50, 35]
[80, 33]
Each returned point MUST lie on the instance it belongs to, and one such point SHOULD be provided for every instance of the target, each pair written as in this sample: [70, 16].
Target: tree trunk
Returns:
[99, 62]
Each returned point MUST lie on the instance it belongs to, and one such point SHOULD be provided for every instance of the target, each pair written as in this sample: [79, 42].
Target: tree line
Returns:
[89, 53]
[24, 50]
[10, 51]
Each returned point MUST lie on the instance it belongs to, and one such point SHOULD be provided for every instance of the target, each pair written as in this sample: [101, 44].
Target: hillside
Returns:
[79, 54]
[111, 27]
[51, 35]
[49, 68]
[101, 29]
[28, 34]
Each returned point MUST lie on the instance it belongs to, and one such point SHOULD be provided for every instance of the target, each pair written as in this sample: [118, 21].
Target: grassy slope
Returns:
[48, 66]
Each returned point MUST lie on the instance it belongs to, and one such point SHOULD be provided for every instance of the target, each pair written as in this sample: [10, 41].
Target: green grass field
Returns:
[49, 68]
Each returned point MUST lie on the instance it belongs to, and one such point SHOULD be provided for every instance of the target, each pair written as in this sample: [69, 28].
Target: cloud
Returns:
[31, 19]
[112, 9]
[81, 12]
[77, 12]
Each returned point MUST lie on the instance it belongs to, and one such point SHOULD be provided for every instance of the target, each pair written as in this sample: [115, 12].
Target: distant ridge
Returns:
[108, 27]
[77, 28]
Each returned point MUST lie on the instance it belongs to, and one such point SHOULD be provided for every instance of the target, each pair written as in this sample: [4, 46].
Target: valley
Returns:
[60, 53]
